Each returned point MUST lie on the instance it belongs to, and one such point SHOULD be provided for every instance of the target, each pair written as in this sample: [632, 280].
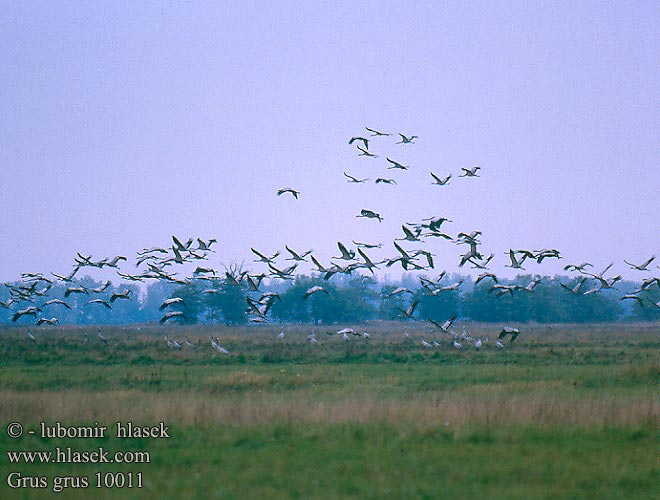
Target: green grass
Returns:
[566, 412]
[376, 461]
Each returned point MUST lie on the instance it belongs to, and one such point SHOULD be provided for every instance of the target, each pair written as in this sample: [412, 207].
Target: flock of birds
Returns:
[432, 228]
[29, 297]
[457, 341]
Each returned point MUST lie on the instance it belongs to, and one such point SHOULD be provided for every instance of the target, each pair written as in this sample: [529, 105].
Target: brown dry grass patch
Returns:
[439, 408]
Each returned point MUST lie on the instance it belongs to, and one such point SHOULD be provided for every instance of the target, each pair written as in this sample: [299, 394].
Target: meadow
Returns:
[567, 411]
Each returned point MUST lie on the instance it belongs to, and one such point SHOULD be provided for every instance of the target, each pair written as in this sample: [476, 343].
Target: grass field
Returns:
[567, 411]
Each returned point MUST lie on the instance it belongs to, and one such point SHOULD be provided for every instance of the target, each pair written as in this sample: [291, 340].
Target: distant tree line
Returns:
[345, 299]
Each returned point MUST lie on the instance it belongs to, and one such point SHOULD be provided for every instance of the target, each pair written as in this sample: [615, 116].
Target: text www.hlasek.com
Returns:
[70, 456]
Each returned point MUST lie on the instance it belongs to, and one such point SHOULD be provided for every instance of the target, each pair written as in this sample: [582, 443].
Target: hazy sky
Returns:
[124, 124]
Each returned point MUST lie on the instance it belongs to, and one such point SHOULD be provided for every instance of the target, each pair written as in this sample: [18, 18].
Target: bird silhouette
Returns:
[364, 152]
[355, 179]
[375, 133]
[640, 267]
[438, 181]
[470, 172]
[345, 253]
[508, 330]
[364, 140]
[289, 190]
[397, 165]
[313, 290]
[407, 140]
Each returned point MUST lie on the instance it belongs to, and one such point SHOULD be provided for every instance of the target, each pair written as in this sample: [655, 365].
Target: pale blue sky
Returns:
[124, 124]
